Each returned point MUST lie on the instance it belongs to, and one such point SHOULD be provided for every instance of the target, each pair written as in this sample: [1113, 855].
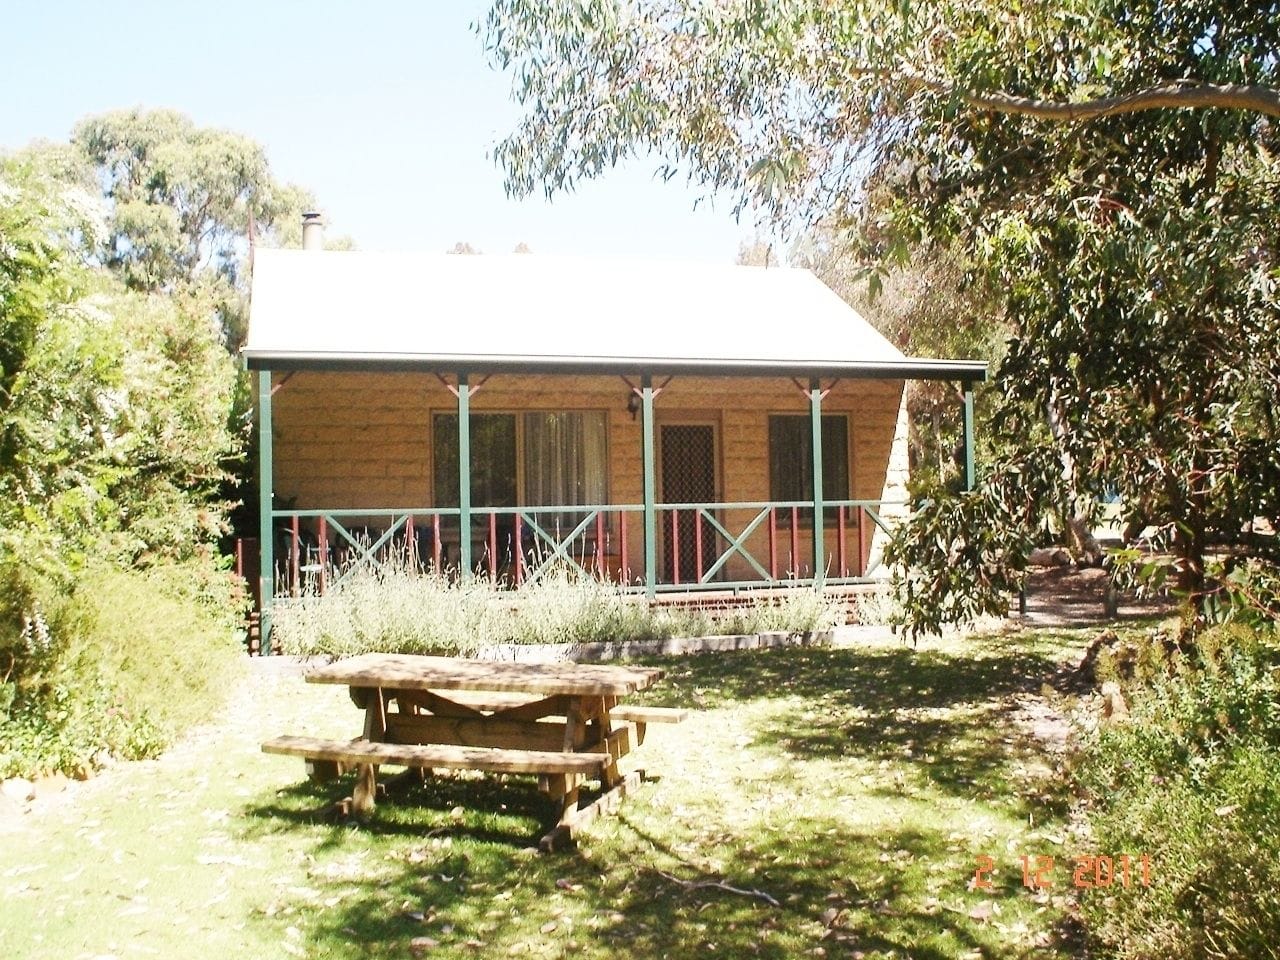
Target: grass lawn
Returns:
[855, 787]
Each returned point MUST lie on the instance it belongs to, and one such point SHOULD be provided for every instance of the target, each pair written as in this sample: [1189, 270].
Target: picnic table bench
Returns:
[561, 722]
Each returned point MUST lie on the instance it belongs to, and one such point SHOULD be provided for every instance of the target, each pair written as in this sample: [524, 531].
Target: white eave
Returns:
[538, 314]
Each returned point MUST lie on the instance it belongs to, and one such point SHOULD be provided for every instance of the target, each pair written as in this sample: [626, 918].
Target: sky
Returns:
[387, 111]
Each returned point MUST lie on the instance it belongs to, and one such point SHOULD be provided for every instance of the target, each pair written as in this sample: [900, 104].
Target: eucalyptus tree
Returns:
[182, 202]
[930, 305]
[1106, 166]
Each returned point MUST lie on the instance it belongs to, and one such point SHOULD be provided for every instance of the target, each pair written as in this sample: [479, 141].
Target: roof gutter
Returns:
[908, 368]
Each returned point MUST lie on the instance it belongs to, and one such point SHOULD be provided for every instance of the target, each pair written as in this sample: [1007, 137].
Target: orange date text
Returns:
[1092, 872]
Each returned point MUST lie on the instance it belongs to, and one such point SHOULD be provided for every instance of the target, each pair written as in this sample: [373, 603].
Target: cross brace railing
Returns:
[520, 546]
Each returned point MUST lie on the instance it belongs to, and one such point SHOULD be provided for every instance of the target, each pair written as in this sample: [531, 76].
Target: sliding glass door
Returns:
[535, 459]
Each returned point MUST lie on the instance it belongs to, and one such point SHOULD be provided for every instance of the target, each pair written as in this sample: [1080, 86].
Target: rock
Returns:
[18, 789]
[817, 638]
[1050, 557]
[1089, 663]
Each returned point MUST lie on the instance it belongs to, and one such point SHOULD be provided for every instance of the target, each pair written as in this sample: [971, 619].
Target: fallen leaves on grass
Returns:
[420, 945]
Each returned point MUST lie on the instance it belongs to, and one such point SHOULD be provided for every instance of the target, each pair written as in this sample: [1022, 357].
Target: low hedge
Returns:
[116, 667]
[394, 610]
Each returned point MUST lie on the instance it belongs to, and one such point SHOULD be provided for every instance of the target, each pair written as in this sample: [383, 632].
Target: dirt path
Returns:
[1068, 597]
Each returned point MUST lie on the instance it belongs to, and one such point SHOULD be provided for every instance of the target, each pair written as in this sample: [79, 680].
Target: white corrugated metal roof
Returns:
[401, 310]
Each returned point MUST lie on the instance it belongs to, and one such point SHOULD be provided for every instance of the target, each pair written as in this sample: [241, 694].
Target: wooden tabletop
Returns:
[407, 672]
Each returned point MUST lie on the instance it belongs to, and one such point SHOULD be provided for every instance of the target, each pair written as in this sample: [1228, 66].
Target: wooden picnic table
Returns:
[563, 722]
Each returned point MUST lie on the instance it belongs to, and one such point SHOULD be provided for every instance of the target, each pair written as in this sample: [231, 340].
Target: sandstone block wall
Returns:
[363, 441]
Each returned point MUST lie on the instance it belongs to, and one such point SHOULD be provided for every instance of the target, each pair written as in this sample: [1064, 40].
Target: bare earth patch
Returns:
[1071, 597]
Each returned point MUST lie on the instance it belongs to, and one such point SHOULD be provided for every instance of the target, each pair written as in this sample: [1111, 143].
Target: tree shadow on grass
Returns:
[453, 861]
[949, 718]
[505, 811]
[646, 891]
[851, 892]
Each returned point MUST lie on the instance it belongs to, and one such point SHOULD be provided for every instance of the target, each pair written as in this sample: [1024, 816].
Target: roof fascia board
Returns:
[906, 369]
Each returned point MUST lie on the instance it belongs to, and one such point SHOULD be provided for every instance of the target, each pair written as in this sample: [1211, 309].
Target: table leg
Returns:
[573, 725]
[375, 714]
[601, 738]
[574, 820]
[375, 728]
[563, 788]
[362, 797]
[587, 728]
[373, 702]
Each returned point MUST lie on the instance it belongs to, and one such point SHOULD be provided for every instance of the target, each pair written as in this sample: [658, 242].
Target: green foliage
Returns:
[1140, 269]
[118, 667]
[181, 202]
[1193, 781]
[1245, 592]
[175, 430]
[113, 412]
[961, 556]
[932, 305]
[790, 104]
[1239, 589]
[121, 284]
[1150, 333]
[58, 367]
[399, 610]
[1132, 257]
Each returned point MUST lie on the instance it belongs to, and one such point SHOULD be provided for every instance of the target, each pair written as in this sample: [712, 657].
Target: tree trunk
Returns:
[1192, 543]
[937, 440]
[1083, 545]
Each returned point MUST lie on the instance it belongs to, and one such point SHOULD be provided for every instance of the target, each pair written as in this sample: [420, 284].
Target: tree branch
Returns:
[1179, 95]
[719, 885]
[1176, 94]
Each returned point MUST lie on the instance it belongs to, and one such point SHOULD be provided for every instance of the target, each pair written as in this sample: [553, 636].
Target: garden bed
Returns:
[605, 650]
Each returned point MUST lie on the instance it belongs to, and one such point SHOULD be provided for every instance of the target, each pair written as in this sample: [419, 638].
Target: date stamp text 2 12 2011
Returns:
[1090, 872]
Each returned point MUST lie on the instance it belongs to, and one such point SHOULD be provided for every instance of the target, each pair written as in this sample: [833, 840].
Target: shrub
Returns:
[1193, 781]
[395, 609]
[114, 433]
[118, 667]
[878, 606]
[797, 611]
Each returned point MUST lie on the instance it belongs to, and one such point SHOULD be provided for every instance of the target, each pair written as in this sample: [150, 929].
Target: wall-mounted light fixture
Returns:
[633, 404]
